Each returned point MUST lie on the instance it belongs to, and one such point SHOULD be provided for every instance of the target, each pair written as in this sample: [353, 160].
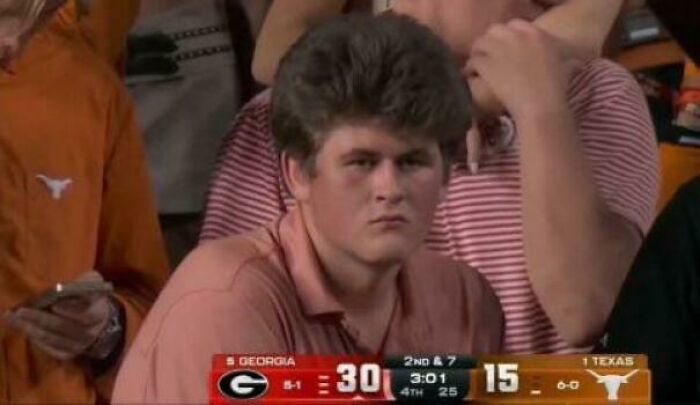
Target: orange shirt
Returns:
[65, 116]
[106, 26]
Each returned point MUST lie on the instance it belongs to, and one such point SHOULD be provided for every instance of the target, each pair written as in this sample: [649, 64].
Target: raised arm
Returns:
[583, 24]
[285, 22]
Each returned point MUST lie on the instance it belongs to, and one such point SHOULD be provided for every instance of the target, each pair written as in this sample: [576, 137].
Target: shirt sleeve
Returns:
[106, 26]
[620, 143]
[241, 319]
[131, 252]
[246, 191]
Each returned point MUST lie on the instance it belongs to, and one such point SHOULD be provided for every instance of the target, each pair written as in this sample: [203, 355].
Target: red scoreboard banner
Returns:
[539, 379]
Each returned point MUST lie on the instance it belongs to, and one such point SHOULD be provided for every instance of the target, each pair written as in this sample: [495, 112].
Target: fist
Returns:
[522, 65]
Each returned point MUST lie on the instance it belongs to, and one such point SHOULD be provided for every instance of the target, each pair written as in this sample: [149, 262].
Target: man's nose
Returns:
[388, 184]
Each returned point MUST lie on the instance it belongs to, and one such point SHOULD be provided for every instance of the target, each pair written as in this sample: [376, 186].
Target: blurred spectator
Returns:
[189, 71]
[75, 205]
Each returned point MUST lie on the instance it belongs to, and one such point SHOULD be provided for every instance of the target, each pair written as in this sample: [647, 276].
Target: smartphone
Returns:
[71, 289]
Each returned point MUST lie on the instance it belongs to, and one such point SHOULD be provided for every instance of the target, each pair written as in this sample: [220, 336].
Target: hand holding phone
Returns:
[71, 289]
[66, 321]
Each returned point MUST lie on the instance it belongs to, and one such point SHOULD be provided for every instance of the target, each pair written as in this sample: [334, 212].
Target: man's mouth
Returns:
[390, 221]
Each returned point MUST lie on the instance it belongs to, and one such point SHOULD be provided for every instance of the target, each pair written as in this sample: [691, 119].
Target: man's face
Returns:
[372, 194]
[461, 22]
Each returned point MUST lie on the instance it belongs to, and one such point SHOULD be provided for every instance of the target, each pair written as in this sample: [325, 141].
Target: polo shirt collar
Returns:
[306, 271]
[305, 268]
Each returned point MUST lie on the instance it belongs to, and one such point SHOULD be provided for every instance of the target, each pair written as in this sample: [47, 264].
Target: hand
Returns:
[69, 328]
[523, 66]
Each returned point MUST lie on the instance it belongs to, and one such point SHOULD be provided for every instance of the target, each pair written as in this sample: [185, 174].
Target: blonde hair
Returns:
[23, 12]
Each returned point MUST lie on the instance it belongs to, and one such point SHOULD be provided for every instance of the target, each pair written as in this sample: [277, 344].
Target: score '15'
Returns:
[505, 373]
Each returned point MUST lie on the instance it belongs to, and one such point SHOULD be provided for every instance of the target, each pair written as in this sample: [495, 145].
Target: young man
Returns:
[75, 205]
[557, 208]
[367, 121]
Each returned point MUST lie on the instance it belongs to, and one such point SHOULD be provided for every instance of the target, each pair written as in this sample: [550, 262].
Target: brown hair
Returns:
[385, 70]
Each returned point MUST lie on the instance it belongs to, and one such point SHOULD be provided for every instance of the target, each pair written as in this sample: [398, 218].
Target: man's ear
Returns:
[295, 177]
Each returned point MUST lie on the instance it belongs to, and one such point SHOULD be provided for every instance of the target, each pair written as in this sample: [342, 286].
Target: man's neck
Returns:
[368, 293]
[359, 286]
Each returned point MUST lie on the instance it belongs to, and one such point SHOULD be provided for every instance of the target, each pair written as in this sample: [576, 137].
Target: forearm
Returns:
[583, 24]
[286, 22]
[577, 250]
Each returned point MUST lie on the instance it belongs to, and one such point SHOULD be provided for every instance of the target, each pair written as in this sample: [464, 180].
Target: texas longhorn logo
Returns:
[612, 382]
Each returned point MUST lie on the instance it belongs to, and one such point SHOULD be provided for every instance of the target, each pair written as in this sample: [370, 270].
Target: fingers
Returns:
[57, 353]
[50, 323]
[473, 149]
[90, 276]
[91, 310]
[45, 332]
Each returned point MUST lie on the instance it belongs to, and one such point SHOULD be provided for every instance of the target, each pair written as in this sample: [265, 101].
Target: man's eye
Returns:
[411, 162]
[362, 163]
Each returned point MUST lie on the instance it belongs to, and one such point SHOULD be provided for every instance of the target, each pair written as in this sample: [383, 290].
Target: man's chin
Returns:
[389, 255]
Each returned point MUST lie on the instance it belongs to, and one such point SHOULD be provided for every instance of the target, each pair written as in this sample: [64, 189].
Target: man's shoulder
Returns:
[218, 273]
[454, 291]
[602, 72]
[252, 125]
[432, 268]
[259, 107]
[217, 264]
[598, 81]
[67, 57]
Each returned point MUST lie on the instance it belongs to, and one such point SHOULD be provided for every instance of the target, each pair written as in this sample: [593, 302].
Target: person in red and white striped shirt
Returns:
[557, 209]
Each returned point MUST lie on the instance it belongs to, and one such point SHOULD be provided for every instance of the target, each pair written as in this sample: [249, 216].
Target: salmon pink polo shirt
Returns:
[265, 292]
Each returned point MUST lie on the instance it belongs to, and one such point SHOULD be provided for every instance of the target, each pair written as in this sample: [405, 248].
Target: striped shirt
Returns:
[480, 220]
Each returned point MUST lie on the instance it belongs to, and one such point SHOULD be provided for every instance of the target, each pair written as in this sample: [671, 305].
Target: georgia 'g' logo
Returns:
[243, 384]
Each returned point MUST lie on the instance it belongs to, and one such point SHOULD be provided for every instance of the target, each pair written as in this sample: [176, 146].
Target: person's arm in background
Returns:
[583, 24]
[131, 251]
[285, 22]
[589, 179]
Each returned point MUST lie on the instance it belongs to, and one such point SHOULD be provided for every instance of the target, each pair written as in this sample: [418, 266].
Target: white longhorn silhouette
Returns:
[612, 382]
[57, 186]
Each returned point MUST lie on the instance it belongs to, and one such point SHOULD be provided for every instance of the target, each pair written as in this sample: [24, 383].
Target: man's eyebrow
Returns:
[417, 151]
[359, 152]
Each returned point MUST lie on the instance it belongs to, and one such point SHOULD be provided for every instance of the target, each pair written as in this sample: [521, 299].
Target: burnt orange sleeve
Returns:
[131, 252]
[106, 26]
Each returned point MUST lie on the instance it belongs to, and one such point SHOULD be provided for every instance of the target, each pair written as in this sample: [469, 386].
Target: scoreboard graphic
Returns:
[537, 379]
